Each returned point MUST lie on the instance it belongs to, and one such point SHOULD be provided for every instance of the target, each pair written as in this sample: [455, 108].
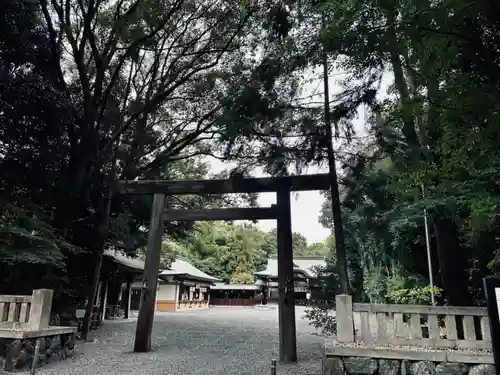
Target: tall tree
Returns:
[33, 113]
[150, 81]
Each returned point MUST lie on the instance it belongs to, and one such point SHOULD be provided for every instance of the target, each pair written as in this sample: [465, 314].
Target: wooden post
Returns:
[150, 280]
[104, 301]
[286, 303]
[100, 304]
[34, 363]
[128, 296]
[345, 318]
[97, 299]
[120, 295]
[266, 292]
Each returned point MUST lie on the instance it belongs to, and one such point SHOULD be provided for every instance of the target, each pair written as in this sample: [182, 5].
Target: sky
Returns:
[305, 206]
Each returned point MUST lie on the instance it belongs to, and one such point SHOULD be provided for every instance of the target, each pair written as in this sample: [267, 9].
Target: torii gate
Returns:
[282, 186]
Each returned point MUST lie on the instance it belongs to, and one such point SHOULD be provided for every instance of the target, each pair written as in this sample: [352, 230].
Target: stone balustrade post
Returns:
[345, 318]
[41, 306]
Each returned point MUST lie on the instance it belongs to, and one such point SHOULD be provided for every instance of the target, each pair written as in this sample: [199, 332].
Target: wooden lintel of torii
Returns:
[226, 186]
[221, 214]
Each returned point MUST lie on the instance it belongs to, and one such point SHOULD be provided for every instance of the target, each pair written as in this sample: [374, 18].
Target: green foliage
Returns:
[299, 245]
[228, 251]
[400, 287]
[322, 319]
[414, 296]
[320, 313]
[375, 286]
[318, 249]
[436, 129]
[26, 237]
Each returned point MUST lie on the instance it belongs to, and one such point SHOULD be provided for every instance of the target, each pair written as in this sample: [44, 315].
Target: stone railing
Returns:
[23, 321]
[370, 333]
[26, 312]
[434, 327]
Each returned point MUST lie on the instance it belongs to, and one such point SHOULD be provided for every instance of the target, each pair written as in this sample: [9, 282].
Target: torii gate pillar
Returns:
[287, 327]
[150, 281]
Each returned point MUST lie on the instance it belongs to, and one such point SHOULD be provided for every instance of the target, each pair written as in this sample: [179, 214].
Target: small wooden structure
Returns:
[236, 294]
[304, 274]
[435, 328]
[182, 287]
[282, 186]
[118, 273]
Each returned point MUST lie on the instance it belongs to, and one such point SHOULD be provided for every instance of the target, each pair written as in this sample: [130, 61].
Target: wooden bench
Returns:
[25, 319]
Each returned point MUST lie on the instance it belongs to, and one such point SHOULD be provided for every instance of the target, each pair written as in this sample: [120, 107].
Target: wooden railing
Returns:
[234, 301]
[432, 327]
[26, 312]
[194, 303]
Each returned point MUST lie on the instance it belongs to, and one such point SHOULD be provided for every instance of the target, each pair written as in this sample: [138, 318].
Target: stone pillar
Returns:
[41, 305]
[345, 318]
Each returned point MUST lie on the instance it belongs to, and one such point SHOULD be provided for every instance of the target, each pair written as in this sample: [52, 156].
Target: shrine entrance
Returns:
[282, 186]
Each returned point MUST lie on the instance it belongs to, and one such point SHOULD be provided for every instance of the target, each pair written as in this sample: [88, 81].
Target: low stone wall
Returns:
[372, 366]
[17, 354]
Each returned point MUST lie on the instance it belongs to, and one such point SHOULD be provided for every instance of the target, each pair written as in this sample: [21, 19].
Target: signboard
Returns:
[492, 292]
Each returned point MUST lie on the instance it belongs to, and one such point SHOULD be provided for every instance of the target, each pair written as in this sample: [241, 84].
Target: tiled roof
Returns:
[304, 264]
[182, 268]
[177, 268]
[124, 260]
[222, 286]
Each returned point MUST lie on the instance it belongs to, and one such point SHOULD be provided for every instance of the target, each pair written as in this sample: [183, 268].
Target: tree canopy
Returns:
[96, 92]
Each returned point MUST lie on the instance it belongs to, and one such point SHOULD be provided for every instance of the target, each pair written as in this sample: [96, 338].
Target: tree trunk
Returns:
[451, 263]
[340, 247]
[92, 295]
[355, 273]
[102, 235]
[71, 190]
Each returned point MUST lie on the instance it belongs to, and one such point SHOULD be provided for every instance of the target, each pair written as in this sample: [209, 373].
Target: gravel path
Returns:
[218, 341]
